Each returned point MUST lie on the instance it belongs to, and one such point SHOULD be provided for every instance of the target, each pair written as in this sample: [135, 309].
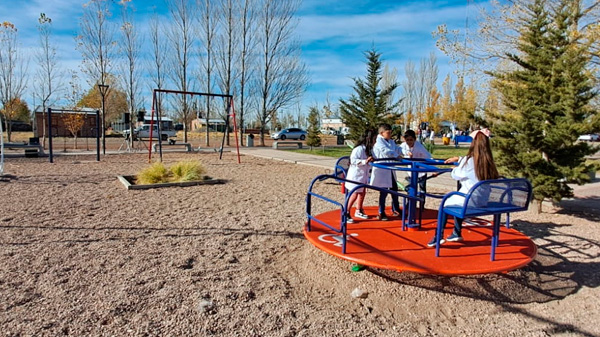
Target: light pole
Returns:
[103, 89]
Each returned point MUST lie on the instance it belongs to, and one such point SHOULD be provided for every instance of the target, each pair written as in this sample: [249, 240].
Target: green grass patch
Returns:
[444, 152]
[335, 152]
[179, 172]
[439, 151]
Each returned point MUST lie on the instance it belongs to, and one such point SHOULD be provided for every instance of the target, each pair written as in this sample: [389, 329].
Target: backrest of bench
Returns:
[341, 167]
[463, 139]
[498, 196]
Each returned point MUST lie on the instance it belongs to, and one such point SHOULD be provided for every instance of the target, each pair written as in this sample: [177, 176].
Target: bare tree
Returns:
[389, 77]
[131, 49]
[75, 94]
[182, 37]
[97, 45]
[282, 76]
[12, 73]
[409, 100]
[495, 35]
[418, 87]
[430, 76]
[48, 78]
[208, 27]
[159, 48]
[247, 20]
[227, 53]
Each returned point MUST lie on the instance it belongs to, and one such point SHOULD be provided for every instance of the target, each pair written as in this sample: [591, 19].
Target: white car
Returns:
[290, 133]
[592, 137]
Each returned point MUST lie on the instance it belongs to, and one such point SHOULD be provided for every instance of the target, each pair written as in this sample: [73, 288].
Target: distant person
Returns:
[478, 165]
[431, 137]
[360, 164]
[385, 147]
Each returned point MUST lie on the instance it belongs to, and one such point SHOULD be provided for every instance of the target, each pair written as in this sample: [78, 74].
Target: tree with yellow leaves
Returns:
[73, 122]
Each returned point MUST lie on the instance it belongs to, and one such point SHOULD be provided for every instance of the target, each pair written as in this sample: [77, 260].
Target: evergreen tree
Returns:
[313, 138]
[369, 106]
[546, 102]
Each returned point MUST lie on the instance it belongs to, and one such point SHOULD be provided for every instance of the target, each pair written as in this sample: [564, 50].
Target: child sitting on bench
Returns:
[478, 165]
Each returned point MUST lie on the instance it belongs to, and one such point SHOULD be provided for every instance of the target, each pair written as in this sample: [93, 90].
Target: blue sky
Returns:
[334, 35]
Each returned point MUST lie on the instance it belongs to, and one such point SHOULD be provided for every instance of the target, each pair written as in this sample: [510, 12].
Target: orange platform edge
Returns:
[383, 244]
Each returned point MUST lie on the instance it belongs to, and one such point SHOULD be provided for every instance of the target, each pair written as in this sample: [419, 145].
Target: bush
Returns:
[187, 171]
[157, 173]
[429, 146]
[178, 172]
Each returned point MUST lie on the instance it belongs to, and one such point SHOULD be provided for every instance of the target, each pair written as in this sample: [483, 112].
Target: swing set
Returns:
[156, 109]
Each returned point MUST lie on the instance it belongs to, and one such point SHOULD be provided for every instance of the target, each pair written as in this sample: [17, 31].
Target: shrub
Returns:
[157, 173]
[178, 172]
[187, 171]
[429, 146]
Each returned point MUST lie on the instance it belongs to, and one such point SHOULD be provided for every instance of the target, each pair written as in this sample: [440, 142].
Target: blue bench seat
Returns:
[489, 197]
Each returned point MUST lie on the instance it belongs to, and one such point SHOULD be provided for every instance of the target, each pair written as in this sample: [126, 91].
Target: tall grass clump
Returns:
[178, 172]
[157, 173]
[187, 171]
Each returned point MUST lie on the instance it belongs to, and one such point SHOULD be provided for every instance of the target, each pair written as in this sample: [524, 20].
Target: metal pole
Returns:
[103, 89]
[50, 156]
[235, 129]
[97, 135]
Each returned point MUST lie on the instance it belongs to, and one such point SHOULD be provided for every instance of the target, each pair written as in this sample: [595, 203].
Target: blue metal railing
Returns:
[343, 206]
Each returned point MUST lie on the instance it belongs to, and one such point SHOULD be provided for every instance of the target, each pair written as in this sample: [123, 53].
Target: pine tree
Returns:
[546, 104]
[368, 106]
[313, 138]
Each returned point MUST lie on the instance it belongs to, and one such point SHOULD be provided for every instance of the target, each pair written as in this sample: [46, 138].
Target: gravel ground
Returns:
[81, 255]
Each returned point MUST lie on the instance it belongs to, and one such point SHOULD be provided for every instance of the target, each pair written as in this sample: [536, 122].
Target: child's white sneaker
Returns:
[360, 215]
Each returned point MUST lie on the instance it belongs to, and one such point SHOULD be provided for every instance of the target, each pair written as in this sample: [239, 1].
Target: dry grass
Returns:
[179, 172]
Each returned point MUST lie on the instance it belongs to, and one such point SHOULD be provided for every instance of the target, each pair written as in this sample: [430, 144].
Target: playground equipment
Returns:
[415, 166]
[156, 109]
[397, 246]
[89, 128]
[489, 197]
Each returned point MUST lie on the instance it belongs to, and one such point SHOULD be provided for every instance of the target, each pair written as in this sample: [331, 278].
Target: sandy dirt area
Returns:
[80, 255]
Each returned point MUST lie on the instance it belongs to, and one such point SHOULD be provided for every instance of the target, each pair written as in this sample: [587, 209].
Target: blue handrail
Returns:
[342, 229]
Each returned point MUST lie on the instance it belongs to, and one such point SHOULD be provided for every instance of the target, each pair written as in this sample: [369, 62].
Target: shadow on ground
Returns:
[585, 208]
[564, 264]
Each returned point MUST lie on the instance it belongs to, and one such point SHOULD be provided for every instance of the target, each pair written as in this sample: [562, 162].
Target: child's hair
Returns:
[481, 152]
[384, 127]
[368, 140]
[410, 133]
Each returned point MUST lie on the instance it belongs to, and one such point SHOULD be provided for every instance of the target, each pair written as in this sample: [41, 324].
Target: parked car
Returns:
[290, 133]
[589, 138]
[16, 126]
[328, 131]
[143, 131]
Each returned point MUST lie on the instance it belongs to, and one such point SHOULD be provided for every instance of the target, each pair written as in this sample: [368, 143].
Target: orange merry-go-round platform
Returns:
[383, 244]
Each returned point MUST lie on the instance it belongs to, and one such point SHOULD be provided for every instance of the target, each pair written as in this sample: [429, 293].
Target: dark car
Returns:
[19, 126]
[290, 133]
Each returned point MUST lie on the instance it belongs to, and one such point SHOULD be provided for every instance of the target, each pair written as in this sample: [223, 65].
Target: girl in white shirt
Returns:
[360, 159]
[478, 165]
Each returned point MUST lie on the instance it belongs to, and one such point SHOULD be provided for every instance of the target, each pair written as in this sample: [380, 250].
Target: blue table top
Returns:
[413, 165]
